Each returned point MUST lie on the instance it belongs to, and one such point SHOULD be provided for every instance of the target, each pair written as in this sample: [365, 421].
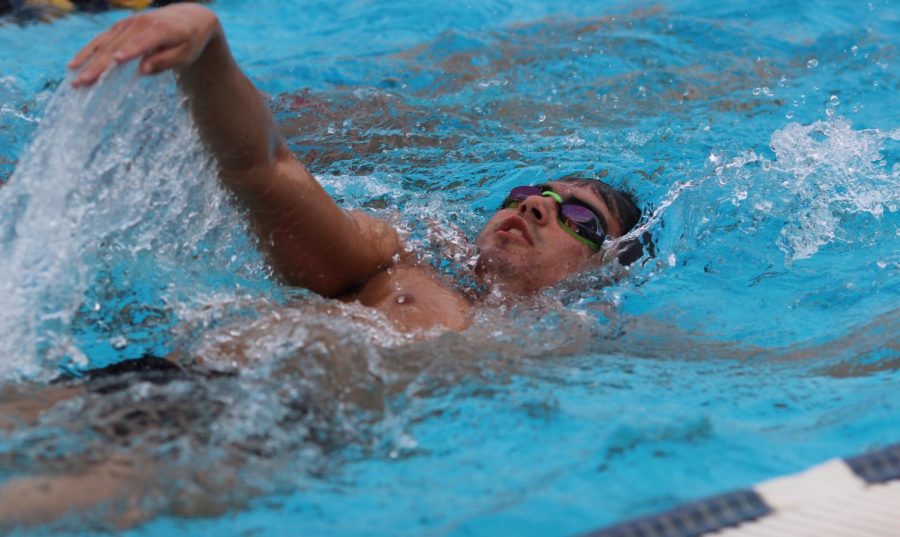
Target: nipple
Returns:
[404, 299]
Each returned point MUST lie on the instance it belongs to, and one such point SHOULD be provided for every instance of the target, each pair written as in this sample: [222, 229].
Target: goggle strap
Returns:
[554, 195]
[581, 239]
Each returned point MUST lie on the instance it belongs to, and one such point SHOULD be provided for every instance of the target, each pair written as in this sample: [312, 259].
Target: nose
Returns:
[536, 208]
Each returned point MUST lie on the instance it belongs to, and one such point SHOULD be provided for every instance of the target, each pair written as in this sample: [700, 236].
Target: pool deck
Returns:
[854, 497]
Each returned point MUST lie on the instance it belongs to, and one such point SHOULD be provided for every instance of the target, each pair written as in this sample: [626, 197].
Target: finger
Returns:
[98, 42]
[100, 61]
[147, 41]
[162, 60]
[91, 70]
[96, 57]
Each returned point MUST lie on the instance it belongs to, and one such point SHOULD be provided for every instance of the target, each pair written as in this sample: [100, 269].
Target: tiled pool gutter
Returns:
[858, 496]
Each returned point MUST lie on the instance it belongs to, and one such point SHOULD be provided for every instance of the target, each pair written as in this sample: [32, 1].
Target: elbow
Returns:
[327, 281]
[333, 272]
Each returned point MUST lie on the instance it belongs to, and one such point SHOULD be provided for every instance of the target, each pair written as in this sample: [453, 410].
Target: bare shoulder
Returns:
[413, 297]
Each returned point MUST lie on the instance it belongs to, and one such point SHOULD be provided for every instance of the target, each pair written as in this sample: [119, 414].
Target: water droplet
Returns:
[790, 114]
[812, 64]
[854, 49]
[833, 100]
[756, 91]
[671, 260]
[542, 118]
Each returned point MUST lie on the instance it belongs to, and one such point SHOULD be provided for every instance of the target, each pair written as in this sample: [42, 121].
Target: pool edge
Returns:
[788, 505]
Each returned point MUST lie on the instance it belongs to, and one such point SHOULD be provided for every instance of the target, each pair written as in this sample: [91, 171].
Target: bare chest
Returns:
[413, 299]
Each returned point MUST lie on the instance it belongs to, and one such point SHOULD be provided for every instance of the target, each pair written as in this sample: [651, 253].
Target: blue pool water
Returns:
[762, 138]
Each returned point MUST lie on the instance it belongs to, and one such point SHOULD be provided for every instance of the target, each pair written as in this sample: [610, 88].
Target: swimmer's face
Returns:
[525, 248]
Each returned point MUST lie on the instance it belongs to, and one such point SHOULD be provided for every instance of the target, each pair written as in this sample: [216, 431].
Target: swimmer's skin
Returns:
[310, 241]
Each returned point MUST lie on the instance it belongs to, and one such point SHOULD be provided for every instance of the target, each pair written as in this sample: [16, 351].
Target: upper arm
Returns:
[310, 241]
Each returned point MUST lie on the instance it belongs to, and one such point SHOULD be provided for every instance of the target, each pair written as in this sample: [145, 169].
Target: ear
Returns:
[627, 252]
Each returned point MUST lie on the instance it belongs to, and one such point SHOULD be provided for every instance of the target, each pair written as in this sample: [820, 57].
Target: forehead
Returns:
[590, 198]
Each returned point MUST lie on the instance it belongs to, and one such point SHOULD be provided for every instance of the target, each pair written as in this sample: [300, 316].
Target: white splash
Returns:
[832, 170]
[115, 168]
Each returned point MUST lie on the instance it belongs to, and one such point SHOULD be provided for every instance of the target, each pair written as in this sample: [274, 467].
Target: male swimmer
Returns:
[541, 235]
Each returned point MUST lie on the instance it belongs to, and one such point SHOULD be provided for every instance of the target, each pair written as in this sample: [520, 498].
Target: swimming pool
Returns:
[760, 339]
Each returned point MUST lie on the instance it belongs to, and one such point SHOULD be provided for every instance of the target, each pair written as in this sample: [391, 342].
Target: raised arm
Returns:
[310, 241]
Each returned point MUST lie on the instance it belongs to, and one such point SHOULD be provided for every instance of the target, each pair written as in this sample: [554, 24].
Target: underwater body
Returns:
[759, 336]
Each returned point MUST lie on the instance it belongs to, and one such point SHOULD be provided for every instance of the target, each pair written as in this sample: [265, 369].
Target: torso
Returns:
[411, 298]
[414, 299]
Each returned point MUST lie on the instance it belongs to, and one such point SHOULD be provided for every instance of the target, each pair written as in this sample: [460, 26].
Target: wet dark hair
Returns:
[623, 207]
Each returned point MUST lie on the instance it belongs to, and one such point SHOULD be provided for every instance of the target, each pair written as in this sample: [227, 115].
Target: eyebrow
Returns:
[591, 206]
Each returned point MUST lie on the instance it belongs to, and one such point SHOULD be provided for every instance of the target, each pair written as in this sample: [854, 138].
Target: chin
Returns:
[495, 260]
[500, 269]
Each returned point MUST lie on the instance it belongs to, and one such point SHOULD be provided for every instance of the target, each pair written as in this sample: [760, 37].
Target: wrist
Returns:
[213, 57]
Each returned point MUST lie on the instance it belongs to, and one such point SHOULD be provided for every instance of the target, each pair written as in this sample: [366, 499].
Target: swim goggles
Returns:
[576, 219]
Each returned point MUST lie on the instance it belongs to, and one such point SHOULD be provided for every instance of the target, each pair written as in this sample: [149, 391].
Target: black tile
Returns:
[695, 518]
[877, 466]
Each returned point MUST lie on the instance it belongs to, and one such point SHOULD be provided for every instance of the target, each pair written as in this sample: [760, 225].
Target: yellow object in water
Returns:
[64, 5]
[130, 4]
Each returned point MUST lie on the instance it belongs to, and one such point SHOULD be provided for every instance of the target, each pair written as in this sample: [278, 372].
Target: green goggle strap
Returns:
[552, 194]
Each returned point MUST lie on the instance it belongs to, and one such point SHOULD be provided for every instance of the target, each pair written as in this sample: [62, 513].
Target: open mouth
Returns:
[516, 228]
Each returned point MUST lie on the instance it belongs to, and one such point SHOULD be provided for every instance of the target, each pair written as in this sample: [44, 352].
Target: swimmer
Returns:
[541, 235]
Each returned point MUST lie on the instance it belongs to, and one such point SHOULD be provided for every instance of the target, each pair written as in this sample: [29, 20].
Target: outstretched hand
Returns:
[166, 38]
